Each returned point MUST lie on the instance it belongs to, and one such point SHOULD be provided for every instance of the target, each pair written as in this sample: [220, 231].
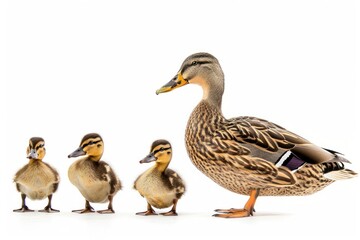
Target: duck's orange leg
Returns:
[238, 213]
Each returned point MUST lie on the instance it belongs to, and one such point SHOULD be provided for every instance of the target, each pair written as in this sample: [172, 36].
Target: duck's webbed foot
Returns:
[150, 211]
[23, 209]
[88, 209]
[247, 211]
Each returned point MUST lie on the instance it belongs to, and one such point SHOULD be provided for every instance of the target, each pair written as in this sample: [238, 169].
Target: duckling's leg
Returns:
[110, 208]
[172, 212]
[150, 211]
[48, 207]
[23, 208]
[237, 213]
[87, 209]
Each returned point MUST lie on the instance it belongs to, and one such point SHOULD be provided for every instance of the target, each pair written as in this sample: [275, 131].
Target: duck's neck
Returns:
[161, 167]
[213, 90]
[31, 161]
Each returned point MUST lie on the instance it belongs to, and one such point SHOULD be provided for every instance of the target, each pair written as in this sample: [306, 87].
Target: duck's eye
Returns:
[91, 143]
[162, 149]
[194, 63]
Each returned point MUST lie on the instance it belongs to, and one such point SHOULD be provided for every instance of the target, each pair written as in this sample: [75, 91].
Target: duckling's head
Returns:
[202, 69]
[91, 146]
[160, 152]
[36, 149]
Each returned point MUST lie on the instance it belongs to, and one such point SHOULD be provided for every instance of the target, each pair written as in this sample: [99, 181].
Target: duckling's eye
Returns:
[194, 63]
[161, 149]
[40, 146]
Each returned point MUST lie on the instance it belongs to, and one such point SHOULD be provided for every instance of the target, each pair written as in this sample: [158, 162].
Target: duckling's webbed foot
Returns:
[147, 213]
[49, 209]
[170, 213]
[110, 208]
[88, 209]
[106, 211]
[85, 210]
[150, 211]
[23, 209]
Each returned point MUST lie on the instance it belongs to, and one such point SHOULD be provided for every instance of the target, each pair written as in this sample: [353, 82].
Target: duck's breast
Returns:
[94, 187]
[36, 180]
[151, 186]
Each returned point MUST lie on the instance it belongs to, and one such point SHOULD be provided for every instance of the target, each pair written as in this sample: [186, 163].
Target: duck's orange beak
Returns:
[176, 82]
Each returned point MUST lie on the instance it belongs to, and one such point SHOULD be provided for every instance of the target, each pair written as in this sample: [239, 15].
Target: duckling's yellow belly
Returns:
[152, 187]
[37, 181]
[90, 186]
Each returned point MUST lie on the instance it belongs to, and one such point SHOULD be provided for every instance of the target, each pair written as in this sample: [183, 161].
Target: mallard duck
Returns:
[37, 179]
[161, 186]
[94, 178]
[249, 155]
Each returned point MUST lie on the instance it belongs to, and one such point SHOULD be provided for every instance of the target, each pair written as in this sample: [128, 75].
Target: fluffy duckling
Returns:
[161, 186]
[249, 155]
[37, 179]
[94, 178]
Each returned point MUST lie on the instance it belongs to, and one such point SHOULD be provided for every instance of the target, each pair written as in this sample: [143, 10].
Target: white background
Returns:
[74, 67]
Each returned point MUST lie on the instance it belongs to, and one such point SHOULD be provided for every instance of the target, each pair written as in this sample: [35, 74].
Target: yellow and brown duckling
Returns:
[248, 155]
[37, 179]
[161, 186]
[94, 178]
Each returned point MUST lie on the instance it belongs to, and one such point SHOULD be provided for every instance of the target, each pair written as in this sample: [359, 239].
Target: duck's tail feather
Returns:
[337, 171]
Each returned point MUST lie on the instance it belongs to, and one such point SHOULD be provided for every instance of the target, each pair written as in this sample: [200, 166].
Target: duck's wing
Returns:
[266, 151]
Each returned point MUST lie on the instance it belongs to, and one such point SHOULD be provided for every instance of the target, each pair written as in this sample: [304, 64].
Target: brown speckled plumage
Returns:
[248, 155]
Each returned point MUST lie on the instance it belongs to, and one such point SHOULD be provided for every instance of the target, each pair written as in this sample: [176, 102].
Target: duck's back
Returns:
[37, 180]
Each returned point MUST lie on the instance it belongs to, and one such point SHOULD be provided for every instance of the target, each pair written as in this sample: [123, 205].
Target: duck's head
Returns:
[160, 152]
[202, 69]
[91, 146]
[36, 149]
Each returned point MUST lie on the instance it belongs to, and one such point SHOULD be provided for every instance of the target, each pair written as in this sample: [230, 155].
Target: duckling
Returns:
[161, 186]
[37, 179]
[94, 178]
[249, 155]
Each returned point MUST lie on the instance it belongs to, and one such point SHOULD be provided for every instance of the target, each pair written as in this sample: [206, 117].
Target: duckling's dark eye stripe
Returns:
[161, 149]
[90, 143]
[191, 64]
[40, 146]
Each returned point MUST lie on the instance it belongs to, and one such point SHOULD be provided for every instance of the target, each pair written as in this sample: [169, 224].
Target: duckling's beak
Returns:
[149, 158]
[176, 82]
[32, 154]
[78, 152]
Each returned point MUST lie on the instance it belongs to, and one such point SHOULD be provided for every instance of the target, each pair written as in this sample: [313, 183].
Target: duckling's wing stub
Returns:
[174, 181]
[104, 172]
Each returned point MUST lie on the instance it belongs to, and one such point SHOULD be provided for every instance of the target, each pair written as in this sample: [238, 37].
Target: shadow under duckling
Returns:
[94, 178]
[37, 179]
[161, 186]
